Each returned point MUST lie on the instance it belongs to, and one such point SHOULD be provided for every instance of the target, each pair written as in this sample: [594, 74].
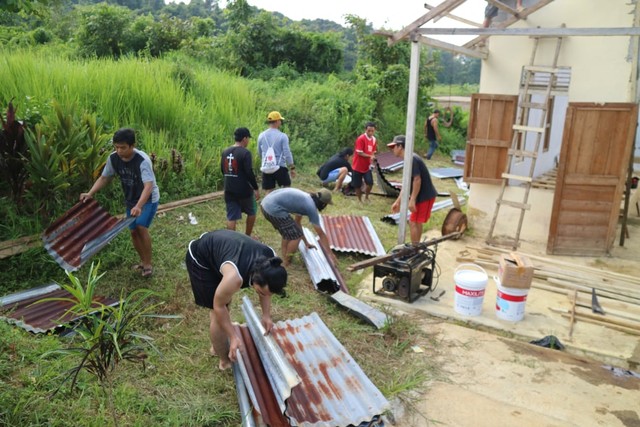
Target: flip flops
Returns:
[147, 272]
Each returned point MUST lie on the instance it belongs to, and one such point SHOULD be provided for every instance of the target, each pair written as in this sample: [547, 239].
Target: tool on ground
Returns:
[407, 269]
[438, 297]
[408, 276]
[405, 250]
[455, 221]
[595, 305]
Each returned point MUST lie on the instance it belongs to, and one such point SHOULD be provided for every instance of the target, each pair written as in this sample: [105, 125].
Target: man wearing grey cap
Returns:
[422, 193]
[240, 185]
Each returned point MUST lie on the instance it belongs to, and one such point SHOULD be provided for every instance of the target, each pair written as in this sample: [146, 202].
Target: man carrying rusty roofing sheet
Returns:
[140, 191]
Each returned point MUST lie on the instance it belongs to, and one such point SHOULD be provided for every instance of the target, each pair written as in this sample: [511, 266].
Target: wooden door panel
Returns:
[596, 145]
[489, 137]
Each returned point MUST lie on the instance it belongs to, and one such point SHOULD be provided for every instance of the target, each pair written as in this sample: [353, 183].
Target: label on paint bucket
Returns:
[470, 286]
[510, 303]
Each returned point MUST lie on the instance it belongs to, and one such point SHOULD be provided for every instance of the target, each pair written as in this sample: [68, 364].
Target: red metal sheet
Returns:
[349, 233]
[388, 161]
[264, 394]
[80, 233]
[40, 317]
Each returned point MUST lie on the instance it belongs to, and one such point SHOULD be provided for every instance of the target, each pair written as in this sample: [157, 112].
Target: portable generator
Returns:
[408, 276]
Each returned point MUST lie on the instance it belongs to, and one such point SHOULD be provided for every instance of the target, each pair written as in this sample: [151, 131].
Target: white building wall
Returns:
[603, 69]
[601, 66]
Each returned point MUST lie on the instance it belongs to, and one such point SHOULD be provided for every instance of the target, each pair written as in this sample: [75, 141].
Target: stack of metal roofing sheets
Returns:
[315, 381]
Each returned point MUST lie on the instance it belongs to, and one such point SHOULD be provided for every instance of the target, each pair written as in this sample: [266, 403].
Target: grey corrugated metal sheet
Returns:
[24, 309]
[388, 162]
[443, 173]
[322, 276]
[362, 310]
[80, 233]
[334, 391]
[350, 233]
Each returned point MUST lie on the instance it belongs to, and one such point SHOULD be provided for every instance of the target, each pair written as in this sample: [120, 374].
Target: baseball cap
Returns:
[273, 116]
[325, 196]
[397, 140]
[241, 133]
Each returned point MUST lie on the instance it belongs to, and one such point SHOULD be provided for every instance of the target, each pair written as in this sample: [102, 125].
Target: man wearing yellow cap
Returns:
[274, 142]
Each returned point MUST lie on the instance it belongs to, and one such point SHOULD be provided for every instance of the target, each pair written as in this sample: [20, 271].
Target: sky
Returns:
[390, 14]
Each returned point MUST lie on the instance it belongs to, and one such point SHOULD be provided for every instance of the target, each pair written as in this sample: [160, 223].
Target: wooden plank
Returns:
[19, 242]
[561, 265]
[583, 218]
[444, 7]
[489, 143]
[522, 128]
[523, 14]
[591, 180]
[630, 331]
[454, 17]
[453, 48]
[535, 32]
[518, 205]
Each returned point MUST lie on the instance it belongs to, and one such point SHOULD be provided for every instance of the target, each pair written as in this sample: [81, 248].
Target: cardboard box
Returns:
[515, 271]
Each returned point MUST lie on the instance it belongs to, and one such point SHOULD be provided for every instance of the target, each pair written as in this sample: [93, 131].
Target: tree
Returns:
[103, 30]
[26, 6]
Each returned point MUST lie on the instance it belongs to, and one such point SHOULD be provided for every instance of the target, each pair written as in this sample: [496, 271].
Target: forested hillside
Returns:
[184, 76]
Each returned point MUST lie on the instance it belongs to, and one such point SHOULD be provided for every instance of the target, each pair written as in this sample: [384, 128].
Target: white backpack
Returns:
[269, 162]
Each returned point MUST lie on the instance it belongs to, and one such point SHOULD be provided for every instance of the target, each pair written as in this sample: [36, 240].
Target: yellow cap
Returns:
[273, 116]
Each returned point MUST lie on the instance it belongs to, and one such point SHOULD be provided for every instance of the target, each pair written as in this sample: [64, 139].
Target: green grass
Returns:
[182, 386]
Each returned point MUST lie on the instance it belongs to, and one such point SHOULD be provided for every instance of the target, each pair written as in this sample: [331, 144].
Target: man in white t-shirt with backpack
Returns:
[275, 155]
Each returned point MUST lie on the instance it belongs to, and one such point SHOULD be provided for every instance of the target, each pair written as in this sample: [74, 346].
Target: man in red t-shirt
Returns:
[364, 154]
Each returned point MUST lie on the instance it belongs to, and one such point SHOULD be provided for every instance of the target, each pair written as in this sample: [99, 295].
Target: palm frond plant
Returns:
[104, 335]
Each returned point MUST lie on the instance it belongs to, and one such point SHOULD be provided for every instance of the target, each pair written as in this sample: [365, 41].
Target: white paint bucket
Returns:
[510, 303]
[470, 286]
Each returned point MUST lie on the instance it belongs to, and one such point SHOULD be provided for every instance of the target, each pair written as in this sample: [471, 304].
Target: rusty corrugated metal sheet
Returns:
[388, 162]
[24, 309]
[80, 233]
[333, 391]
[350, 233]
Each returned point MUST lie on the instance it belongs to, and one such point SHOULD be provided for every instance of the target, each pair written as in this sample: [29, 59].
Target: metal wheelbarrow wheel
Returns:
[455, 221]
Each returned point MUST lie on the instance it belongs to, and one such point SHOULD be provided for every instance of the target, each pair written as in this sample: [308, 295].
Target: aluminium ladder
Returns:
[518, 148]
